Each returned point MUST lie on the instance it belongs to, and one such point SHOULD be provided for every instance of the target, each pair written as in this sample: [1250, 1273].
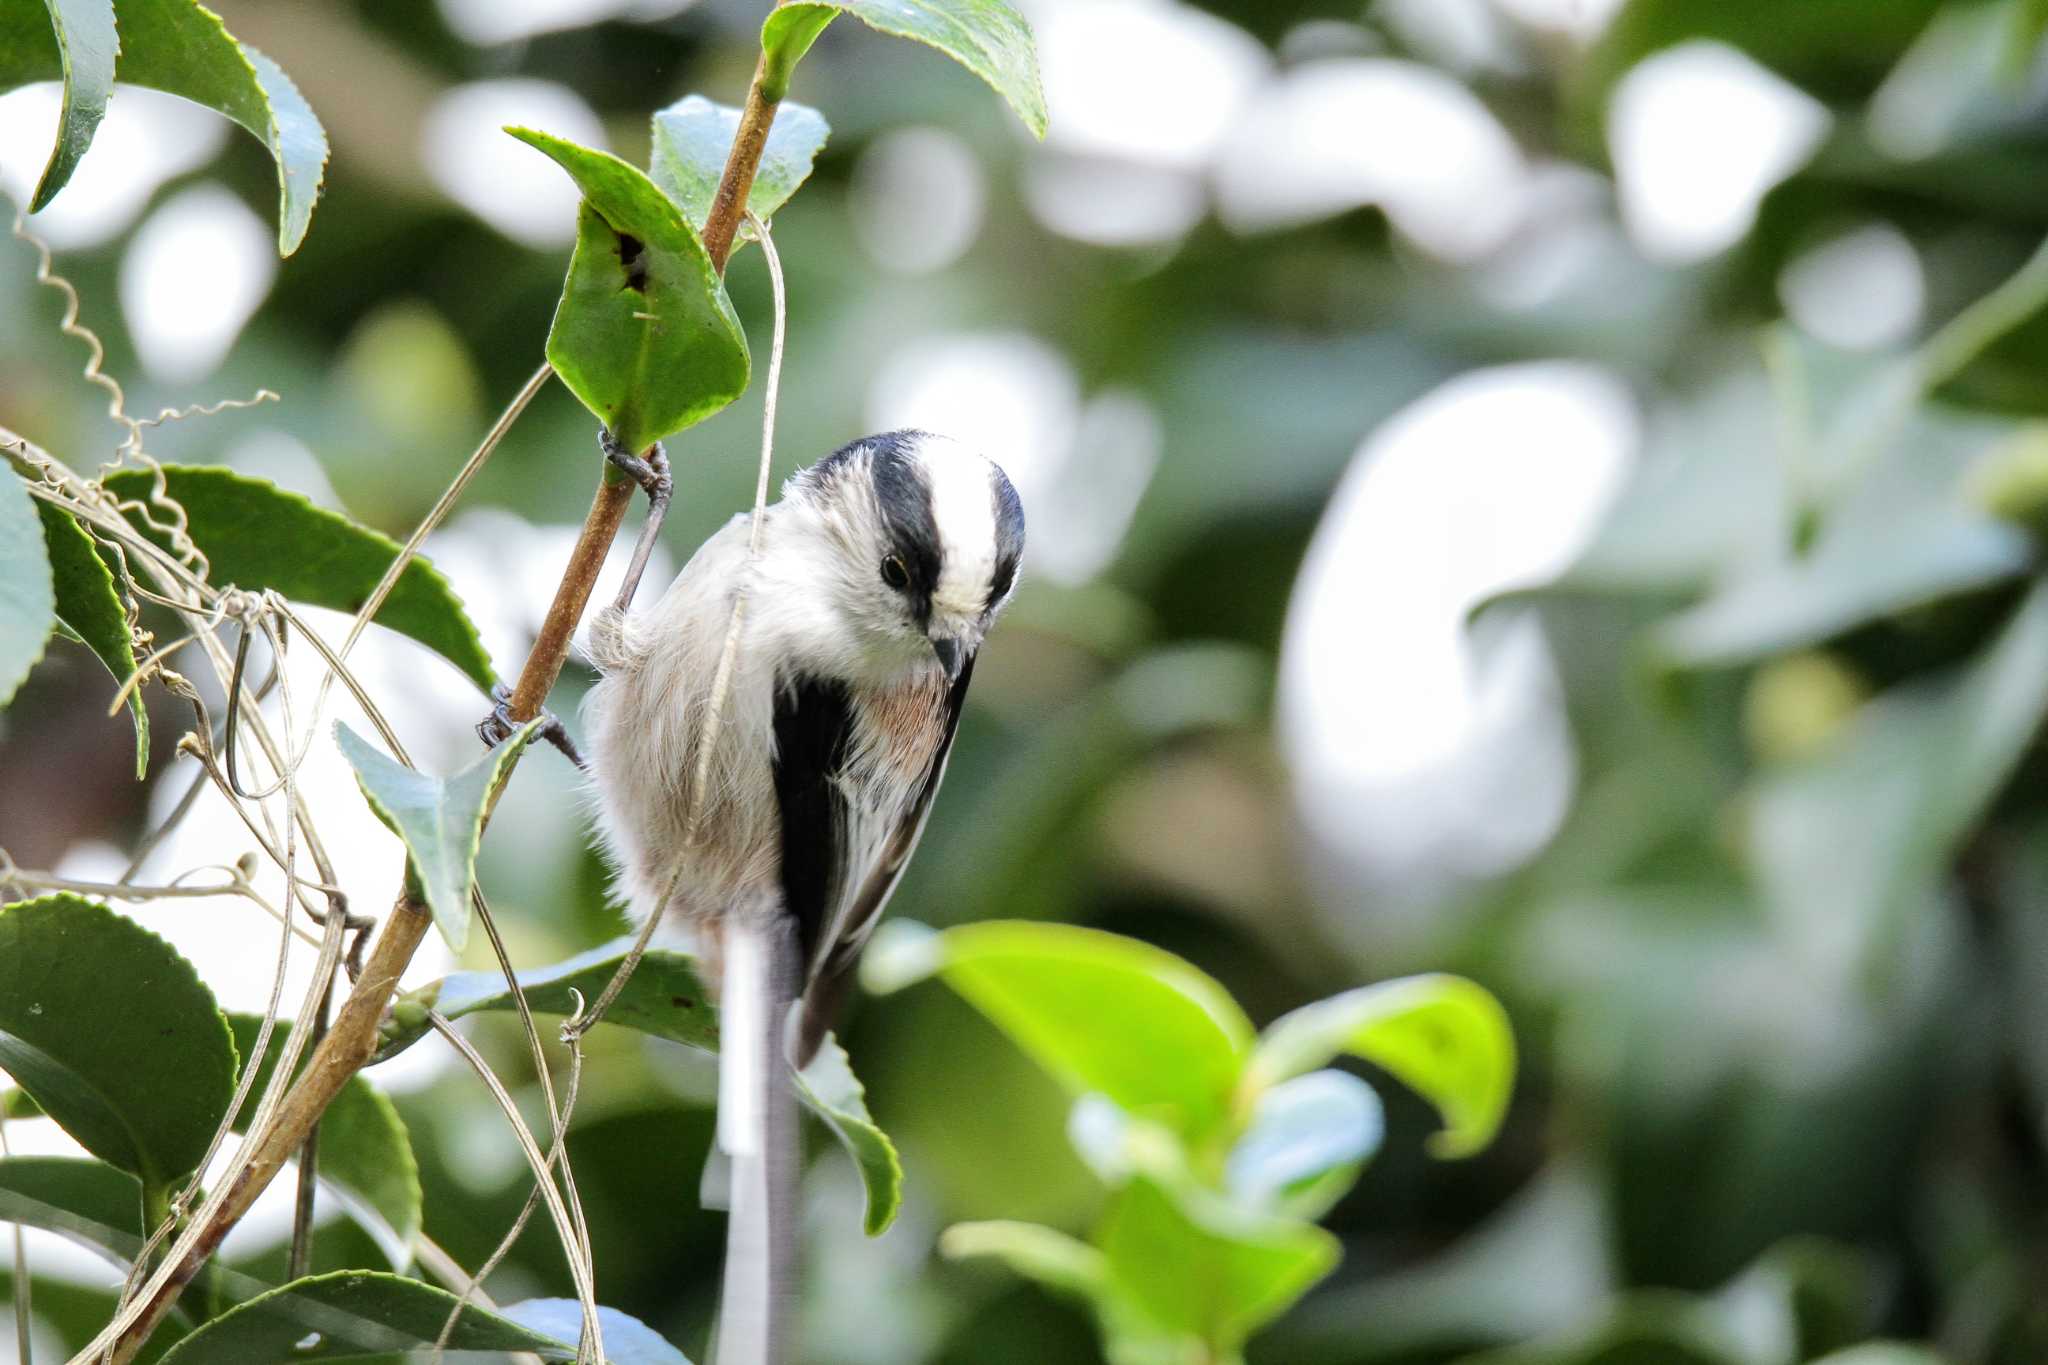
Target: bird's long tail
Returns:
[757, 1132]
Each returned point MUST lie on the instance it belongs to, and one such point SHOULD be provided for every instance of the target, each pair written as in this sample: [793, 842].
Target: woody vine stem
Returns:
[351, 1039]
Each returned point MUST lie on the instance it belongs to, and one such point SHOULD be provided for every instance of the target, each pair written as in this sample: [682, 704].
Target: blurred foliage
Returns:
[1777, 976]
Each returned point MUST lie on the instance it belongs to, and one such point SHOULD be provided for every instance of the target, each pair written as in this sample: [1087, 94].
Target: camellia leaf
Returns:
[664, 997]
[988, 37]
[835, 1095]
[1444, 1037]
[86, 1202]
[86, 45]
[1188, 1268]
[257, 535]
[667, 998]
[693, 137]
[440, 819]
[352, 1314]
[1045, 1255]
[1097, 1011]
[113, 1034]
[627, 1340]
[365, 1154]
[644, 334]
[89, 603]
[28, 603]
[1301, 1130]
[175, 46]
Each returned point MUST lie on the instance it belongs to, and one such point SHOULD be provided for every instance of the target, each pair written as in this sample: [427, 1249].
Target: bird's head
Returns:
[925, 538]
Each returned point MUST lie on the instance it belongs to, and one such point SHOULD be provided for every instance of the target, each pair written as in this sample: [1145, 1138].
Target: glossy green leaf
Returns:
[988, 37]
[113, 1034]
[257, 535]
[86, 46]
[1097, 1011]
[644, 334]
[28, 603]
[1857, 838]
[1045, 1255]
[1207, 1275]
[627, 1340]
[365, 1155]
[832, 1092]
[349, 1315]
[182, 48]
[1300, 1131]
[1836, 589]
[664, 997]
[441, 820]
[86, 1202]
[90, 604]
[1443, 1037]
[693, 137]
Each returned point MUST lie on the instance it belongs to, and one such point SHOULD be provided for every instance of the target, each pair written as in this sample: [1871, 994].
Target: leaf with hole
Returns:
[441, 820]
[1097, 1011]
[693, 137]
[831, 1090]
[141, 1086]
[1443, 1037]
[644, 334]
[28, 603]
[353, 1314]
[988, 37]
[365, 1155]
[175, 46]
[257, 535]
[664, 997]
[89, 602]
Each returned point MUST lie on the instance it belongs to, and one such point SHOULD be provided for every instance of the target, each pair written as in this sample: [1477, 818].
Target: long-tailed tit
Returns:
[877, 576]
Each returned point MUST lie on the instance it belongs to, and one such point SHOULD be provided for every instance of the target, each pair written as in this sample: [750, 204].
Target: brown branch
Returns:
[343, 1052]
[351, 1041]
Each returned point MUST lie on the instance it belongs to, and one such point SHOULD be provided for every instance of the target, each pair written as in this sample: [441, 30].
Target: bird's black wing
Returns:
[813, 729]
[863, 891]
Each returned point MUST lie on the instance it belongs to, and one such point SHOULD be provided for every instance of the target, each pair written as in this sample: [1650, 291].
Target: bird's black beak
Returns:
[951, 656]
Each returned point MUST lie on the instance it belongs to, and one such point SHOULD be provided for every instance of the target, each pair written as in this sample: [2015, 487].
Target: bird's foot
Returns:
[500, 725]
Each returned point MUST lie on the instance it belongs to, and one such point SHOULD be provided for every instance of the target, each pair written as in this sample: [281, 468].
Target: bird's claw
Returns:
[500, 725]
[650, 472]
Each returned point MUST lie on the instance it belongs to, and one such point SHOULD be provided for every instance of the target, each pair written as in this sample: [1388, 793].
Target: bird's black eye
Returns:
[894, 573]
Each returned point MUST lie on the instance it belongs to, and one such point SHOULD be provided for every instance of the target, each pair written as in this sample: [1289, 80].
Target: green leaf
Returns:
[835, 1095]
[349, 1315]
[86, 44]
[693, 137]
[1099, 1012]
[664, 997]
[1302, 1130]
[83, 1201]
[1854, 841]
[441, 820]
[1840, 586]
[257, 535]
[89, 602]
[1193, 1269]
[113, 1034]
[365, 1154]
[644, 334]
[28, 603]
[1443, 1037]
[627, 1340]
[1045, 1255]
[988, 37]
[181, 48]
